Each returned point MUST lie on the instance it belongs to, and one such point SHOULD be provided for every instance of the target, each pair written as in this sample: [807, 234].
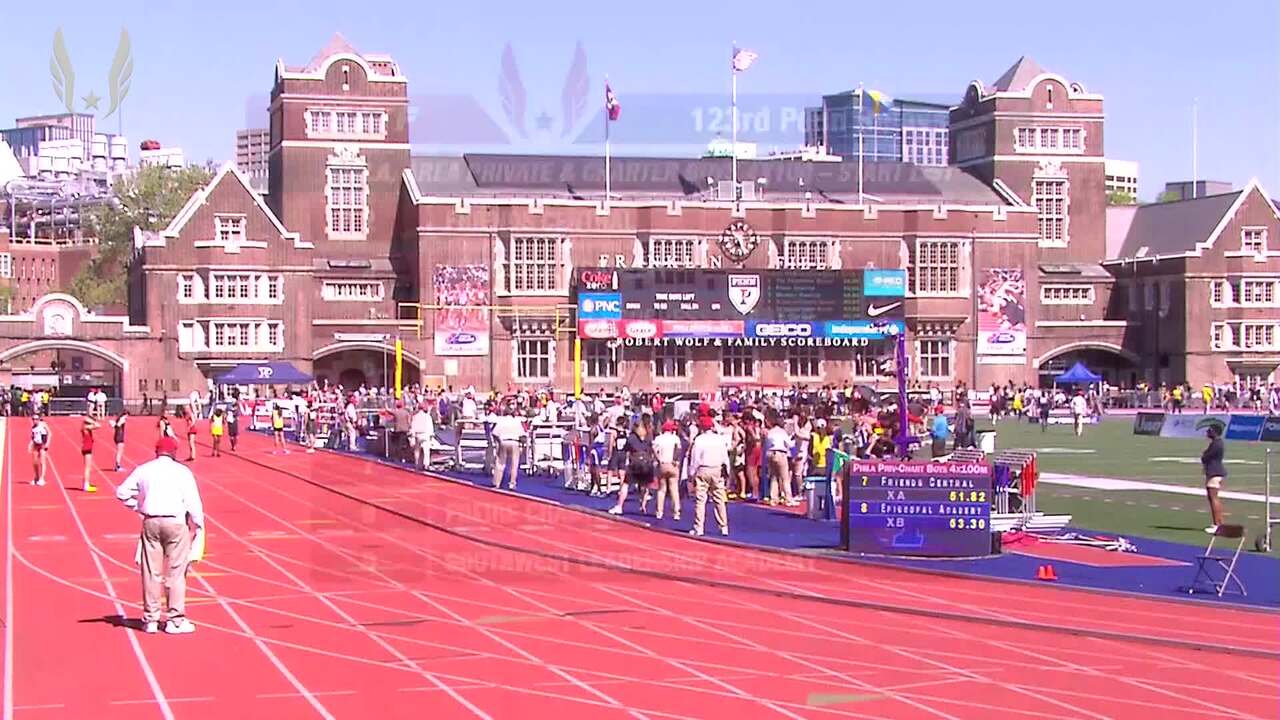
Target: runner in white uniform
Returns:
[39, 448]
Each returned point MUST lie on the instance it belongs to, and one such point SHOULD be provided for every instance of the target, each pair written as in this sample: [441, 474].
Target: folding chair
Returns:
[1209, 564]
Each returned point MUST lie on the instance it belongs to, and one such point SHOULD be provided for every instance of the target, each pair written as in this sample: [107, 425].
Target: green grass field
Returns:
[1111, 450]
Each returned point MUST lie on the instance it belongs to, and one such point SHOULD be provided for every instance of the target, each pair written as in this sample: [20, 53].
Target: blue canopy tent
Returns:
[1078, 375]
[276, 373]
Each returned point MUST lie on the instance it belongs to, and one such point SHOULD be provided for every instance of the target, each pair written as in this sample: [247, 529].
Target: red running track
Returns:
[338, 588]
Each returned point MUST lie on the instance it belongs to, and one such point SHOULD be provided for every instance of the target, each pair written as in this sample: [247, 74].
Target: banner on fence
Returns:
[1192, 426]
[1245, 427]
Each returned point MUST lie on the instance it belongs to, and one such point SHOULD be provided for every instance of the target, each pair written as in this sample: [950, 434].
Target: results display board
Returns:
[654, 305]
[935, 509]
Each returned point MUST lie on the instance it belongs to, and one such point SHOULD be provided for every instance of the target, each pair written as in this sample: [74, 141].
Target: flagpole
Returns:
[733, 91]
[861, 102]
[608, 176]
[1195, 147]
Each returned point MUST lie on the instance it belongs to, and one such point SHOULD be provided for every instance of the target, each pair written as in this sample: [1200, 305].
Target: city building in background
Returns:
[1122, 178]
[887, 129]
[252, 148]
[1189, 190]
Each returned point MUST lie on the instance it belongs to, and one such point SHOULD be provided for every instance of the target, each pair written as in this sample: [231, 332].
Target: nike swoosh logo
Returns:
[877, 310]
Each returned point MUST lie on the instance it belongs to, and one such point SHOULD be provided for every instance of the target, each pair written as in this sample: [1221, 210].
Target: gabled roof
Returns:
[337, 45]
[1183, 227]
[1019, 76]
[199, 198]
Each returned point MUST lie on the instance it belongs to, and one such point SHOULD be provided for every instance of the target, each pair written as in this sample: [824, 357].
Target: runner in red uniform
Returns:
[86, 449]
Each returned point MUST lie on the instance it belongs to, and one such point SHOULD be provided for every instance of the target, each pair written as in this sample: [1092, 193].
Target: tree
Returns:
[1120, 198]
[148, 199]
[1169, 196]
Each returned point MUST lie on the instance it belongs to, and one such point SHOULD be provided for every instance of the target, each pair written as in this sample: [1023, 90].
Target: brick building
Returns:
[469, 260]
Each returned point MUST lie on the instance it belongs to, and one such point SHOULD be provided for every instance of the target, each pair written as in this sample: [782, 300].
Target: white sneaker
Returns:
[181, 626]
[696, 533]
[151, 628]
[38, 483]
[1212, 529]
[724, 532]
[615, 511]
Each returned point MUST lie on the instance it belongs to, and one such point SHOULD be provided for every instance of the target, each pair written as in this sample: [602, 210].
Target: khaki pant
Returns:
[508, 454]
[422, 450]
[779, 476]
[709, 478]
[669, 482]
[166, 551]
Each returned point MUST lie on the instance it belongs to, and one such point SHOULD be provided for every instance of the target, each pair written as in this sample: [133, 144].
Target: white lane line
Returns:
[156, 691]
[313, 692]
[149, 701]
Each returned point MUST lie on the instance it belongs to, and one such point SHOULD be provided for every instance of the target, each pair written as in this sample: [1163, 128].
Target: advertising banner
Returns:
[1192, 426]
[462, 318]
[1002, 313]
[1271, 429]
[884, 283]
[1245, 427]
[1148, 423]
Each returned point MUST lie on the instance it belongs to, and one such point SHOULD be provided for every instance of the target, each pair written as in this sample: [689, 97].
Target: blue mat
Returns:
[766, 527]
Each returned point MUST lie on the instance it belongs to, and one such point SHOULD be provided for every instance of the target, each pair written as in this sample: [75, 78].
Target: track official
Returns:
[164, 493]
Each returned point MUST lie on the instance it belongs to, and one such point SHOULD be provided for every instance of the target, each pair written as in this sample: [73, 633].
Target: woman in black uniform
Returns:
[117, 436]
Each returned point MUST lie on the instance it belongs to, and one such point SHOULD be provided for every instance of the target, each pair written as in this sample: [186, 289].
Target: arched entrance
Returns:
[1116, 365]
[352, 364]
[69, 367]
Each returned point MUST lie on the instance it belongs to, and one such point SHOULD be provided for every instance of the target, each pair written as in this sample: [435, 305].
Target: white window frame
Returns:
[805, 363]
[187, 289]
[525, 365]
[6, 265]
[673, 252]
[1219, 336]
[1057, 139]
[947, 282]
[1059, 294]
[236, 281]
[347, 160]
[734, 358]
[807, 253]
[353, 291]
[597, 354]
[1220, 294]
[1039, 183]
[230, 230]
[1262, 287]
[367, 123]
[1245, 240]
[537, 275]
[672, 362]
[928, 363]
[1258, 336]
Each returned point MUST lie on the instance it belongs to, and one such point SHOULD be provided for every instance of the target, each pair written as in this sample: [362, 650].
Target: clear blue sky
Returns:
[197, 64]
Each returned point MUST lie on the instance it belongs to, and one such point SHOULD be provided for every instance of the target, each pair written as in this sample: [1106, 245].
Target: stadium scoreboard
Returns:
[922, 508]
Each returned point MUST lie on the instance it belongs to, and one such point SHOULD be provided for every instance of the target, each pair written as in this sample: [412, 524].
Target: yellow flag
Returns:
[399, 367]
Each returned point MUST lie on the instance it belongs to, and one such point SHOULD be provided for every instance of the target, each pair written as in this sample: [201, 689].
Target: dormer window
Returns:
[1253, 240]
[228, 230]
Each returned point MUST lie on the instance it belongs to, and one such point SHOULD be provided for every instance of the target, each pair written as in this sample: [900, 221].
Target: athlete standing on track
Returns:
[217, 425]
[164, 493]
[86, 449]
[191, 434]
[39, 447]
[117, 435]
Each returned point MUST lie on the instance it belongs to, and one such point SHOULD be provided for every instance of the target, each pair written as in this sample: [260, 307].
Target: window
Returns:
[274, 339]
[672, 252]
[231, 286]
[348, 123]
[320, 121]
[1026, 137]
[1072, 139]
[671, 361]
[936, 270]
[534, 358]
[173, 385]
[600, 360]
[866, 360]
[231, 335]
[353, 291]
[1049, 195]
[275, 287]
[1066, 294]
[159, 386]
[1257, 336]
[186, 287]
[1219, 336]
[804, 362]
[1257, 292]
[1060, 139]
[229, 229]
[6, 265]
[1218, 292]
[1253, 240]
[348, 195]
[935, 358]
[806, 254]
[142, 385]
[535, 264]
[738, 362]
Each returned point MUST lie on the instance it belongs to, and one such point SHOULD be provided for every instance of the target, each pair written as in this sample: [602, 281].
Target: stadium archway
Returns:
[352, 364]
[1115, 364]
[70, 366]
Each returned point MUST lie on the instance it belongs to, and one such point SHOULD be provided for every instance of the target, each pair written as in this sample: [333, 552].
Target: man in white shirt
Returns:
[507, 433]
[422, 431]
[666, 450]
[164, 493]
[778, 444]
[469, 410]
[708, 461]
[1079, 410]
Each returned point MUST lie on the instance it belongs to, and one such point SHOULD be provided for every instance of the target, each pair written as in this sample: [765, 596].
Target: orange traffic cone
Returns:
[1048, 574]
[1040, 572]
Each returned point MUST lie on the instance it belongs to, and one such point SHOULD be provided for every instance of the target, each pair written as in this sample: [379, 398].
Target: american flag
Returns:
[611, 106]
[742, 59]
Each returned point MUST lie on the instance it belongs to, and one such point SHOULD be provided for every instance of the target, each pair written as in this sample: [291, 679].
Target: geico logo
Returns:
[598, 329]
[784, 330]
[641, 330]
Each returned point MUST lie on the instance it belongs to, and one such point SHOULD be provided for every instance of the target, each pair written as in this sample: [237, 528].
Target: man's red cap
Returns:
[669, 426]
[167, 446]
[706, 423]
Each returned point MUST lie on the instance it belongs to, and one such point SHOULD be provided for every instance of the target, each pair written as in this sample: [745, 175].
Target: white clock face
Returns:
[738, 241]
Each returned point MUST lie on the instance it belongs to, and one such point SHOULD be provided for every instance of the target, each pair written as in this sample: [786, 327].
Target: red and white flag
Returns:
[743, 58]
[611, 107]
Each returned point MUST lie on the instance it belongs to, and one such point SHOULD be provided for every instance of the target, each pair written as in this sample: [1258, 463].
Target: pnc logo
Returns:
[780, 330]
[602, 305]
